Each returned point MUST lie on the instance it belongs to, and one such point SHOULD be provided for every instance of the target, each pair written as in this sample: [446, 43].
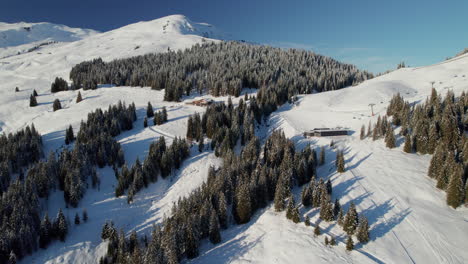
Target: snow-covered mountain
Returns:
[37, 70]
[17, 38]
[410, 222]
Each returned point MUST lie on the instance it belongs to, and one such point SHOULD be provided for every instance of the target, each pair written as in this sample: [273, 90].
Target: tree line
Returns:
[70, 171]
[161, 161]
[221, 69]
[437, 127]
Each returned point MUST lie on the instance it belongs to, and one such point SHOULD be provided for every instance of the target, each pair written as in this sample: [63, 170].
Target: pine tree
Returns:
[455, 192]
[333, 241]
[215, 235]
[45, 232]
[77, 219]
[69, 135]
[363, 132]
[327, 242]
[295, 215]
[279, 197]
[149, 110]
[17, 89]
[317, 231]
[79, 98]
[243, 206]
[351, 220]
[322, 156]
[290, 207]
[201, 145]
[390, 137]
[408, 147]
[35, 92]
[164, 114]
[349, 243]
[56, 106]
[307, 221]
[362, 232]
[61, 225]
[32, 101]
[85, 215]
[191, 241]
[145, 122]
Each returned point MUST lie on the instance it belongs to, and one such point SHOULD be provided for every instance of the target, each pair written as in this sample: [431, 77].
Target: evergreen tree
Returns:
[56, 106]
[77, 219]
[17, 89]
[317, 231]
[35, 92]
[61, 225]
[408, 147]
[79, 98]
[333, 241]
[69, 135]
[201, 146]
[307, 221]
[349, 243]
[243, 205]
[215, 235]
[164, 114]
[455, 192]
[363, 132]
[45, 232]
[327, 242]
[191, 241]
[290, 207]
[145, 122]
[295, 215]
[390, 137]
[351, 220]
[149, 110]
[362, 232]
[279, 198]
[32, 101]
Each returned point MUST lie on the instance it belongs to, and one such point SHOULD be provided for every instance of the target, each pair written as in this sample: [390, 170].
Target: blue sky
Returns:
[374, 35]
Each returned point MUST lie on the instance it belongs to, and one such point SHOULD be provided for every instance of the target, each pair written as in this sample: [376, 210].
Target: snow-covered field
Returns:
[410, 222]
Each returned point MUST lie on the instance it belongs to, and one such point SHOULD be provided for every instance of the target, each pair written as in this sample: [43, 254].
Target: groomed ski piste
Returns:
[409, 219]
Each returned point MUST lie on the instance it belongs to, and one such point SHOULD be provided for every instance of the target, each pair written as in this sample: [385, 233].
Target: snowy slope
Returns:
[410, 222]
[37, 70]
[17, 38]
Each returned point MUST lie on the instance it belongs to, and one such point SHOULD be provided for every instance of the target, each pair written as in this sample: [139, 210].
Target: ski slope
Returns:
[410, 222]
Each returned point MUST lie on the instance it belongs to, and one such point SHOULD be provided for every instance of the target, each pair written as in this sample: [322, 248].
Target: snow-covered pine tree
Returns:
[149, 110]
[408, 147]
[79, 98]
[350, 222]
[390, 137]
[214, 232]
[349, 243]
[362, 232]
[455, 191]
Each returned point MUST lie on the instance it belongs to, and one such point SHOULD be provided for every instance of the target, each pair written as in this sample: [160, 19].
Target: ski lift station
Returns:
[326, 132]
